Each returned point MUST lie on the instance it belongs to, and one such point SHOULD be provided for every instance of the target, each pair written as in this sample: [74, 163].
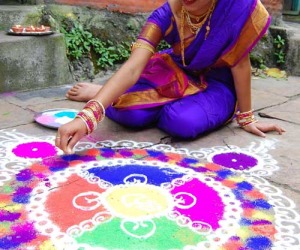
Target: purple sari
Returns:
[188, 100]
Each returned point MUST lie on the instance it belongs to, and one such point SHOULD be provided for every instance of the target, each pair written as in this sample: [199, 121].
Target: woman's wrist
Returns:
[92, 113]
[245, 118]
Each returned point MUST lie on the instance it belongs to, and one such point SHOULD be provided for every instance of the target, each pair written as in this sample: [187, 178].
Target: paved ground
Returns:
[276, 98]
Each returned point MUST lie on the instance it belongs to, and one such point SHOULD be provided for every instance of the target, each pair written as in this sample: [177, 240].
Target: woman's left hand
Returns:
[260, 129]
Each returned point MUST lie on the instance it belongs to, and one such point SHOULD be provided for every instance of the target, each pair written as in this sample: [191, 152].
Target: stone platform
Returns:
[32, 62]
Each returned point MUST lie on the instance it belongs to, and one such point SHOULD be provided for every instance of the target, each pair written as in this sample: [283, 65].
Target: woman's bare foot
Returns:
[83, 91]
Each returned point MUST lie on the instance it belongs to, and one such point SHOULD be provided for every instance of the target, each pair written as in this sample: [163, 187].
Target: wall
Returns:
[128, 6]
[275, 8]
[134, 6]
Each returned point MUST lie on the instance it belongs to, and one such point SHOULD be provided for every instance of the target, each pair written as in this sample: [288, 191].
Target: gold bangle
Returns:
[143, 46]
[245, 124]
[97, 109]
[101, 106]
[90, 115]
[244, 114]
[245, 118]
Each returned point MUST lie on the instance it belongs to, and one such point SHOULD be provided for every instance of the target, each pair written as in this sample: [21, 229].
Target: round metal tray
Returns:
[44, 33]
[54, 118]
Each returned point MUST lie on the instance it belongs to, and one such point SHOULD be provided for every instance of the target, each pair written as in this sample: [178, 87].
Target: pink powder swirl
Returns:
[35, 150]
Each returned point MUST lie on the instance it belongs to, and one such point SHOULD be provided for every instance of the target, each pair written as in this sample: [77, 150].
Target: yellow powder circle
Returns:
[138, 201]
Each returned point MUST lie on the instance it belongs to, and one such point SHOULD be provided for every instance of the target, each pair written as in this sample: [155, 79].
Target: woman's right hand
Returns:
[69, 134]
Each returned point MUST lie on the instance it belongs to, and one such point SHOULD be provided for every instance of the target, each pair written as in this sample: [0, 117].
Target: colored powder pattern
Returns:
[195, 200]
[21, 233]
[209, 206]
[22, 195]
[34, 150]
[167, 236]
[259, 243]
[237, 161]
[24, 175]
[116, 174]
[55, 163]
[8, 216]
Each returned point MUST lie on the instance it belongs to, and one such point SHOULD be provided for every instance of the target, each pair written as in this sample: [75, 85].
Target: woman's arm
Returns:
[125, 77]
[69, 134]
[242, 82]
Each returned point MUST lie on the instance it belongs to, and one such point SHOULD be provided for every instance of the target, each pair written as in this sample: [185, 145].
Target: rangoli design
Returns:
[130, 195]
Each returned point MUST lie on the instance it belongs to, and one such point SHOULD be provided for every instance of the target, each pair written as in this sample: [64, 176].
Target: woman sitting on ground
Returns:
[196, 86]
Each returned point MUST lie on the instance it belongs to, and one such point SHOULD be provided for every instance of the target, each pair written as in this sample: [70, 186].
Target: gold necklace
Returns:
[197, 18]
[181, 35]
[194, 28]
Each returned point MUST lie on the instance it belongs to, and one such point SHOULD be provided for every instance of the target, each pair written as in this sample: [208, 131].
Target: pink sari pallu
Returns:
[167, 82]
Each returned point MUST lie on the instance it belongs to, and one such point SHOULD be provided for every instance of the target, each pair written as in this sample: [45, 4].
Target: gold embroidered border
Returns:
[249, 34]
[151, 33]
[151, 96]
[168, 31]
[177, 46]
